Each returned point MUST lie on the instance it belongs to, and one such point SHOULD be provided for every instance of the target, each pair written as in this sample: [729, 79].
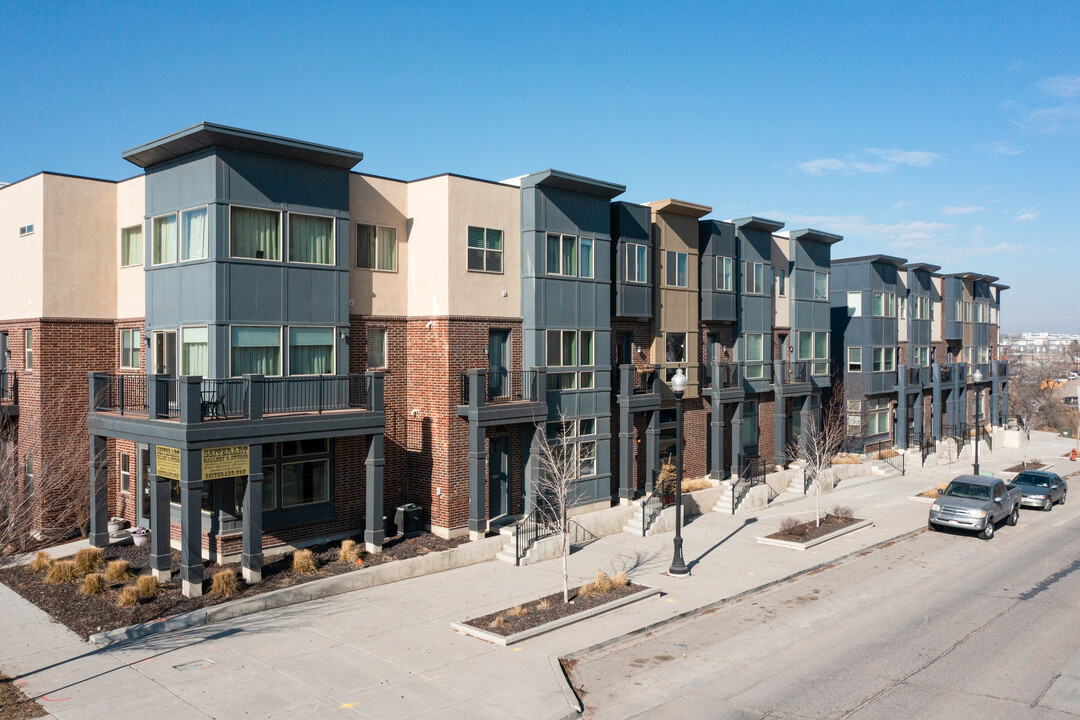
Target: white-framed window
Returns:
[755, 353]
[131, 246]
[901, 304]
[26, 230]
[194, 351]
[562, 255]
[814, 347]
[725, 273]
[967, 312]
[28, 340]
[255, 350]
[676, 269]
[920, 356]
[750, 422]
[637, 263]
[959, 311]
[753, 278]
[587, 458]
[311, 350]
[485, 250]
[311, 239]
[884, 359]
[585, 249]
[376, 347]
[781, 283]
[821, 286]
[878, 415]
[854, 359]
[125, 472]
[586, 427]
[574, 440]
[562, 348]
[194, 234]
[129, 349]
[254, 233]
[29, 471]
[163, 236]
[854, 303]
[376, 247]
[676, 348]
[884, 304]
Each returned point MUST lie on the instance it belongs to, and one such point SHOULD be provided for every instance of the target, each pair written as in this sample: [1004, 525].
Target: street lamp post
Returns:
[977, 377]
[678, 386]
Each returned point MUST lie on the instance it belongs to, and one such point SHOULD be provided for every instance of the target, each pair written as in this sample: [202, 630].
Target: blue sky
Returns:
[942, 132]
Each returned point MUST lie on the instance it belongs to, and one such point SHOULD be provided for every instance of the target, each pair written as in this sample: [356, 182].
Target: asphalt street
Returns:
[942, 625]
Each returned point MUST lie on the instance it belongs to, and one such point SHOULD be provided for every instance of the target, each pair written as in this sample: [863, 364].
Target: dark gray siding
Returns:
[717, 240]
[631, 224]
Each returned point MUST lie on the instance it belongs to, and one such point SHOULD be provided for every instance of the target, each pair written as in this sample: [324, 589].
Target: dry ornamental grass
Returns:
[620, 580]
[789, 524]
[117, 571]
[129, 597]
[518, 611]
[93, 584]
[89, 560]
[62, 571]
[303, 562]
[842, 511]
[148, 586]
[225, 583]
[498, 623]
[695, 485]
[42, 561]
[544, 604]
[349, 552]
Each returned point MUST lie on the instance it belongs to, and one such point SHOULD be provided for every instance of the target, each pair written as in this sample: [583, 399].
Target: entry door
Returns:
[498, 363]
[712, 352]
[165, 353]
[499, 477]
[142, 484]
[624, 349]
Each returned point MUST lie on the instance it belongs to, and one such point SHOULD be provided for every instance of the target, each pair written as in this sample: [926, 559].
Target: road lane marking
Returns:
[1059, 524]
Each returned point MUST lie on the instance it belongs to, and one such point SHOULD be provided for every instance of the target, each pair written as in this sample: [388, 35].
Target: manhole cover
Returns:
[194, 665]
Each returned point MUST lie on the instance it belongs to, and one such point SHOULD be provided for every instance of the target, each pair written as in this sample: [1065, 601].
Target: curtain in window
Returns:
[586, 347]
[256, 350]
[476, 248]
[311, 239]
[311, 351]
[806, 341]
[821, 346]
[365, 246]
[255, 234]
[386, 241]
[569, 255]
[682, 279]
[754, 347]
[377, 348]
[586, 257]
[569, 348]
[193, 235]
[554, 348]
[131, 246]
[494, 250]
[554, 245]
[193, 351]
[165, 239]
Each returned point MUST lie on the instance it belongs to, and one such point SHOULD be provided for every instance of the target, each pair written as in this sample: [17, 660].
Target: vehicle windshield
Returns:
[1031, 479]
[968, 490]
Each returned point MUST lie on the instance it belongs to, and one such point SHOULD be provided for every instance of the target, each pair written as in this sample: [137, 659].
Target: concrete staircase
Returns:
[509, 552]
[723, 505]
[633, 522]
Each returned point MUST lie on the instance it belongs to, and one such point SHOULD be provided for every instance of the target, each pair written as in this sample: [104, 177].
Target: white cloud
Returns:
[1023, 217]
[1062, 86]
[1001, 148]
[1052, 119]
[961, 209]
[902, 204]
[872, 160]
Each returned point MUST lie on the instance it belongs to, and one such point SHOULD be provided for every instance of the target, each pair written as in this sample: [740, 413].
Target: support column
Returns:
[160, 522]
[736, 440]
[191, 486]
[374, 529]
[251, 557]
[780, 431]
[652, 450]
[626, 449]
[936, 404]
[99, 491]
[918, 414]
[477, 481]
[716, 427]
[533, 467]
[962, 406]
[995, 395]
[1005, 404]
[809, 417]
[900, 429]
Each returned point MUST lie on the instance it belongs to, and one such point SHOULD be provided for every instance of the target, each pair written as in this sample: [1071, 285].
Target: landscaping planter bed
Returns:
[88, 615]
[1020, 467]
[14, 705]
[807, 535]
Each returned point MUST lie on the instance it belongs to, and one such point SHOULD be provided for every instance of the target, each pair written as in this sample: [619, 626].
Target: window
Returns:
[755, 353]
[814, 346]
[29, 473]
[311, 239]
[269, 493]
[587, 426]
[587, 458]
[164, 236]
[563, 438]
[586, 257]
[978, 404]
[675, 268]
[485, 252]
[821, 286]
[753, 277]
[878, 415]
[562, 255]
[311, 351]
[562, 348]
[676, 348]
[131, 246]
[781, 283]
[637, 263]
[255, 233]
[854, 417]
[193, 234]
[967, 312]
[586, 347]
[724, 272]
[207, 500]
[305, 483]
[256, 351]
[125, 472]
[750, 423]
[562, 381]
[890, 305]
[884, 359]
[194, 357]
[129, 349]
[902, 306]
[28, 338]
[376, 347]
[854, 303]
[376, 247]
[920, 356]
[26, 230]
[854, 359]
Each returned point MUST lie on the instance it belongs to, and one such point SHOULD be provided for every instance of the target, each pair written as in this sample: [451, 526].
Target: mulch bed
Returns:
[804, 532]
[14, 705]
[1019, 467]
[88, 615]
[535, 617]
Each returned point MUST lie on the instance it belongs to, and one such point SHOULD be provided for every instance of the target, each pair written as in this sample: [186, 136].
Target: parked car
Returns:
[1040, 489]
[973, 502]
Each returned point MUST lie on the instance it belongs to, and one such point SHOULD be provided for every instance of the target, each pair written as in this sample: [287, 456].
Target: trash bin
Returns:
[409, 519]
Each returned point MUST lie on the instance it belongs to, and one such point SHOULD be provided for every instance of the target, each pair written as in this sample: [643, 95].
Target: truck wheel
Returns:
[988, 531]
[1047, 504]
[1014, 516]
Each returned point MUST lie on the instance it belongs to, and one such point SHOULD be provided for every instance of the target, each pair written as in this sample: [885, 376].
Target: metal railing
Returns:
[639, 380]
[503, 386]
[315, 394]
[536, 526]
[652, 506]
[124, 394]
[729, 375]
[946, 373]
[958, 432]
[914, 376]
[924, 442]
[883, 450]
[751, 475]
[9, 387]
[798, 372]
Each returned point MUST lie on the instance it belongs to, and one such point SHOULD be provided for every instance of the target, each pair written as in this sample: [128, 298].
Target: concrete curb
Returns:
[791, 545]
[577, 654]
[554, 624]
[574, 707]
[461, 556]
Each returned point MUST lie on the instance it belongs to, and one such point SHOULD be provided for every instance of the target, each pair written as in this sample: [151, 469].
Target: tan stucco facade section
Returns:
[485, 205]
[937, 329]
[378, 201]
[429, 213]
[22, 204]
[130, 281]
[781, 260]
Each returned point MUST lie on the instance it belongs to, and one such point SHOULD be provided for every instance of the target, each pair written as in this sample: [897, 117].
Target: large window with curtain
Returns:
[254, 233]
[194, 351]
[193, 234]
[376, 348]
[311, 239]
[311, 351]
[164, 245]
[255, 350]
[485, 251]
[129, 349]
[131, 246]
[376, 247]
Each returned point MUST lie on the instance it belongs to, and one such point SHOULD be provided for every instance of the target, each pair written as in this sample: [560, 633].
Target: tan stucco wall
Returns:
[21, 289]
[901, 292]
[677, 309]
[486, 205]
[937, 330]
[378, 201]
[781, 260]
[428, 281]
[130, 281]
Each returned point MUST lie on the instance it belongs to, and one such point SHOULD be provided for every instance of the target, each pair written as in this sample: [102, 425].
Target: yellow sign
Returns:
[168, 462]
[225, 462]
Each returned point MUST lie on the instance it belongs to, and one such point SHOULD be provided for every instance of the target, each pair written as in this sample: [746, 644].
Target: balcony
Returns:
[503, 397]
[917, 376]
[728, 373]
[9, 392]
[638, 380]
[503, 386]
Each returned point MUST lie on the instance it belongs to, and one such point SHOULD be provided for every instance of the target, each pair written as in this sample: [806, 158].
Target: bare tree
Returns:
[1032, 395]
[819, 443]
[1072, 353]
[562, 459]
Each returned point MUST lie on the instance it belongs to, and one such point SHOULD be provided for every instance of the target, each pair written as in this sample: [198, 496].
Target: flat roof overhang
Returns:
[560, 180]
[879, 259]
[815, 236]
[757, 223]
[680, 207]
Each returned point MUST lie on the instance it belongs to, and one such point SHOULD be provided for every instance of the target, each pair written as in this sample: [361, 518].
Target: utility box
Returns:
[409, 519]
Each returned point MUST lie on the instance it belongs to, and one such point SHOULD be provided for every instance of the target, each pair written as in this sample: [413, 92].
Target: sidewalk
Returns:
[389, 652]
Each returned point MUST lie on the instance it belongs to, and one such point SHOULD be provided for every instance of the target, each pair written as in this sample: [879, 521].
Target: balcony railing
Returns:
[503, 386]
[193, 399]
[798, 372]
[915, 376]
[946, 373]
[9, 387]
[729, 375]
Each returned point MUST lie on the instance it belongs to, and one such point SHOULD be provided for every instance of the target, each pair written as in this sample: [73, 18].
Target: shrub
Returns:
[129, 597]
[846, 459]
[117, 571]
[600, 585]
[93, 584]
[789, 525]
[544, 604]
[147, 586]
[620, 579]
[62, 571]
[843, 511]
[42, 561]
[225, 583]
[518, 611]
[498, 623]
[89, 560]
[303, 562]
[694, 485]
[349, 553]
